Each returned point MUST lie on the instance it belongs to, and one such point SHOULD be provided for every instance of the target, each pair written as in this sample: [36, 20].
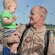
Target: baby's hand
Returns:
[15, 17]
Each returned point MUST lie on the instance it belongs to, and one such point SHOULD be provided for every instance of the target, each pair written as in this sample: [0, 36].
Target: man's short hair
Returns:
[42, 11]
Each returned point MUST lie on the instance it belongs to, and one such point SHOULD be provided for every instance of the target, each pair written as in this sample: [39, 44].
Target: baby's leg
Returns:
[13, 48]
[13, 40]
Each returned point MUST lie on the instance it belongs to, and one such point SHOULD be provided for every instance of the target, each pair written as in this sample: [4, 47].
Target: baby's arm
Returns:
[9, 21]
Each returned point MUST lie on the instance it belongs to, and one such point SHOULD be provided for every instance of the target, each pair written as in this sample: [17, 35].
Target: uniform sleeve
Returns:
[20, 29]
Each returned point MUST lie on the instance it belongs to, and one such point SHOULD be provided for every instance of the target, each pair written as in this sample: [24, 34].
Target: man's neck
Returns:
[38, 26]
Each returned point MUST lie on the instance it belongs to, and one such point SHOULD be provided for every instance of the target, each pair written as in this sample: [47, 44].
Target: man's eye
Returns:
[32, 13]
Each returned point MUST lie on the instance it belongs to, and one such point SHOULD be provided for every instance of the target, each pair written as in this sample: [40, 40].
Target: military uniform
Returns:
[33, 42]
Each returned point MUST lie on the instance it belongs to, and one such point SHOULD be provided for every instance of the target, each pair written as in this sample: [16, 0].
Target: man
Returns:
[33, 41]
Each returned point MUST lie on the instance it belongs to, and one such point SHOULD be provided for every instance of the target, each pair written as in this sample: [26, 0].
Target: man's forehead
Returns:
[37, 9]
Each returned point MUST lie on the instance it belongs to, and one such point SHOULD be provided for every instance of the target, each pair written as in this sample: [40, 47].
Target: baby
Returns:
[8, 22]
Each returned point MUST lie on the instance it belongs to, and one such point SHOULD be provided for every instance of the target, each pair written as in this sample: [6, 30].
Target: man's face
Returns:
[34, 15]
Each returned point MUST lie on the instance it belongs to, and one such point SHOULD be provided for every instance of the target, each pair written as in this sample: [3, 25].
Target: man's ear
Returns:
[41, 16]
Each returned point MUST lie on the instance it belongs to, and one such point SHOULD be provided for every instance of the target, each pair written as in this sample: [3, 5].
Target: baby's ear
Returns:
[9, 7]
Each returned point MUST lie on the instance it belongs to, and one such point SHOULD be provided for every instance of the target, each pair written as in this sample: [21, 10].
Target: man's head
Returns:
[37, 14]
[9, 5]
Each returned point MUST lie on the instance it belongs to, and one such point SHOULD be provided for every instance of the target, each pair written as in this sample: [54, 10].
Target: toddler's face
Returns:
[12, 8]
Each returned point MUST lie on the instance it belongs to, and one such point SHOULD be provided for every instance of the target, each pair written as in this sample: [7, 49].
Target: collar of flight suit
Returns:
[38, 30]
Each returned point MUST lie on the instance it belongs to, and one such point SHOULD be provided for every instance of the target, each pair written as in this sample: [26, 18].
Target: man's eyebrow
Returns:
[31, 12]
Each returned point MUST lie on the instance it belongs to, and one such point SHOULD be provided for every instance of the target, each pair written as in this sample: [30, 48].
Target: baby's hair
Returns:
[7, 3]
